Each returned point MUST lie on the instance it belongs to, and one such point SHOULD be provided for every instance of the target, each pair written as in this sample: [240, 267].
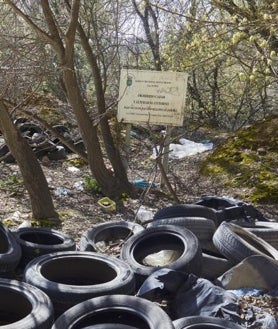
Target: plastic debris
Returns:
[247, 292]
[25, 223]
[185, 148]
[16, 215]
[61, 191]
[107, 204]
[143, 214]
[79, 185]
[144, 183]
[73, 169]
[161, 258]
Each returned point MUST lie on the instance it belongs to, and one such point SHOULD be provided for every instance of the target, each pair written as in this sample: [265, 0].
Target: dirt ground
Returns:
[79, 209]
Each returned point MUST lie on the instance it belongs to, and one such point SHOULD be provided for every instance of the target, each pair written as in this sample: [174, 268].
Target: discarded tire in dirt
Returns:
[228, 209]
[204, 322]
[237, 243]
[10, 252]
[167, 245]
[203, 228]
[186, 210]
[267, 231]
[29, 129]
[99, 237]
[118, 309]
[23, 306]
[217, 202]
[35, 241]
[70, 277]
[6, 155]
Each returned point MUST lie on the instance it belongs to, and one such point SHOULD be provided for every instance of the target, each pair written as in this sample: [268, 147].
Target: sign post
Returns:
[152, 97]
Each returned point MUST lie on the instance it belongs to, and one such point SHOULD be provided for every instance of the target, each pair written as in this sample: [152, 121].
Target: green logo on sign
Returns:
[129, 81]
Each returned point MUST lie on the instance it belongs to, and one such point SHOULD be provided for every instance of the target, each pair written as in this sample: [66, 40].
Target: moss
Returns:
[77, 162]
[50, 114]
[91, 185]
[13, 184]
[52, 223]
[249, 159]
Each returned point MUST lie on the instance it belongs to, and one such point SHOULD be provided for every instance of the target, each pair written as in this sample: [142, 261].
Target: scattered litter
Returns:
[247, 292]
[62, 191]
[188, 295]
[185, 148]
[161, 258]
[107, 204]
[110, 247]
[79, 185]
[25, 223]
[101, 246]
[133, 134]
[144, 214]
[73, 169]
[16, 215]
[144, 183]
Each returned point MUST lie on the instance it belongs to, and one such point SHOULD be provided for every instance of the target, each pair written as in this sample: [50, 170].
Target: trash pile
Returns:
[237, 284]
[185, 148]
[211, 264]
[43, 142]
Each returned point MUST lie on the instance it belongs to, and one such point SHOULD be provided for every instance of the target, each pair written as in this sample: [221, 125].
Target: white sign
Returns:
[152, 97]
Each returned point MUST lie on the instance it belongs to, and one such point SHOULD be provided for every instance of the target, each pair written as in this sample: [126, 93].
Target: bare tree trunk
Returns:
[113, 184]
[112, 152]
[33, 176]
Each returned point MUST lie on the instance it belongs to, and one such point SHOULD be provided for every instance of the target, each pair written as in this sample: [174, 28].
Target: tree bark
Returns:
[112, 184]
[33, 176]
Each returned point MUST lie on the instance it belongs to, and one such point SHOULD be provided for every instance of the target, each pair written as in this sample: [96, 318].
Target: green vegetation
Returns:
[13, 184]
[91, 185]
[249, 158]
[77, 162]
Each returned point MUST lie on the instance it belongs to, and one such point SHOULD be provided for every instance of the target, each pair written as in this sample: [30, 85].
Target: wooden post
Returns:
[127, 146]
[165, 160]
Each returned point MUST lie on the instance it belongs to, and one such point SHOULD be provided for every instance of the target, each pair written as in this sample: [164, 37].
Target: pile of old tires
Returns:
[47, 281]
[43, 142]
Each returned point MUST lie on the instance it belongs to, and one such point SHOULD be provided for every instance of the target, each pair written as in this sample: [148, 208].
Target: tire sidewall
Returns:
[189, 260]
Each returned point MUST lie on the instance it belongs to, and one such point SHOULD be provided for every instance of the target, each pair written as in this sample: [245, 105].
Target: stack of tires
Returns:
[23, 305]
[62, 285]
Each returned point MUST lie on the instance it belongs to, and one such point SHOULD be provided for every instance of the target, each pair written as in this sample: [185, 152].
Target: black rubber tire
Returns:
[164, 237]
[36, 241]
[109, 326]
[4, 150]
[267, 231]
[186, 210]
[10, 252]
[29, 128]
[128, 310]
[107, 232]
[237, 243]
[228, 209]
[23, 306]
[216, 202]
[204, 322]
[203, 228]
[70, 277]
[214, 265]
